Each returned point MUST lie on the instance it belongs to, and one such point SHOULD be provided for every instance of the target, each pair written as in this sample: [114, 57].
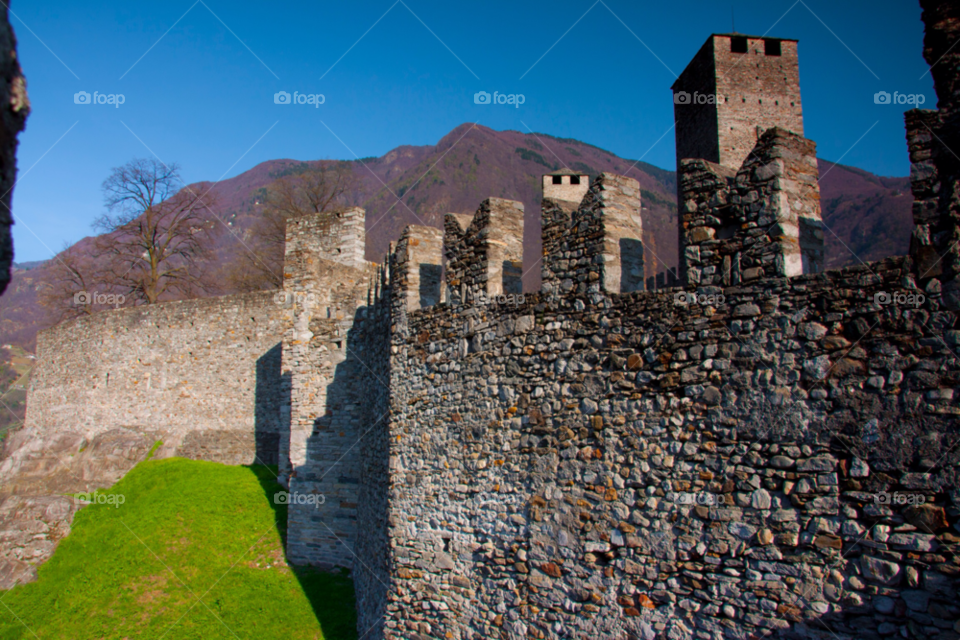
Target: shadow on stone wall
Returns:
[330, 593]
[345, 468]
[431, 275]
[269, 396]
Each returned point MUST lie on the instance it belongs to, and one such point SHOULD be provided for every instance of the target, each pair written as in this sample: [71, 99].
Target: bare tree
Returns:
[320, 190]
[70, 284]
[157, 236]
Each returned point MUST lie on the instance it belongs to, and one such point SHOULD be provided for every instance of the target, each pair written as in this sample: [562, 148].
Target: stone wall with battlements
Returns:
[761, 450]
[595, 241]
[776, 453]
[485, 253]
[761, 220]
[768, 448]
[613, 465]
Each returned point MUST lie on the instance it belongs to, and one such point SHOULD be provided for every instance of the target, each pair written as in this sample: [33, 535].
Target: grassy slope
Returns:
[186, 530]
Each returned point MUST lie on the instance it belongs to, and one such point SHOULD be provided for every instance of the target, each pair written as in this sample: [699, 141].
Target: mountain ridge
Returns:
[866, 217]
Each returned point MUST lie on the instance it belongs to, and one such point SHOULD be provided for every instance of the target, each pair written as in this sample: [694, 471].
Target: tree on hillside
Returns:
[157, 237]
[69, 286]
[305, 190]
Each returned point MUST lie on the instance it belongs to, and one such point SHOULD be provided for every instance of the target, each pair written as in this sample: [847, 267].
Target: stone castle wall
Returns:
[214, 375]
[766, 448]
[205, 372]
[320, 396]
[635, 466]
[597, 240]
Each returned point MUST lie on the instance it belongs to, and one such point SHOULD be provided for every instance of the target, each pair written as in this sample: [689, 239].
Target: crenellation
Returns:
[485, 258]
[417, 265]
[600, 249]
[706, 220]
[764, 220]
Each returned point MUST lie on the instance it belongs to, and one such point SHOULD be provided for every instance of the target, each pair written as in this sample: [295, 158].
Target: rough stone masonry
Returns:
[769, 449]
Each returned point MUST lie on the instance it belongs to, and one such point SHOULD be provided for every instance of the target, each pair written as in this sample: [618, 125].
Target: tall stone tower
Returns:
[735, 88]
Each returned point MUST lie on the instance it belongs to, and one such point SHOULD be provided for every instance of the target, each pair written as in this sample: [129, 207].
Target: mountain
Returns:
[867, 217]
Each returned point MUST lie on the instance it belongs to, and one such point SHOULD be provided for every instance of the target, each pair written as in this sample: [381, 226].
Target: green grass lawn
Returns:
[194, 551]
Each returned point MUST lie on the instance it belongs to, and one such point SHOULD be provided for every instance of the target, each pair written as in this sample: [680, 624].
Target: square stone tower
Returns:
[735, 88]
[566, 184]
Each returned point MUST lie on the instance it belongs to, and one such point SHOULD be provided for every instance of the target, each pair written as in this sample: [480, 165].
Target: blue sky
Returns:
[198, 81]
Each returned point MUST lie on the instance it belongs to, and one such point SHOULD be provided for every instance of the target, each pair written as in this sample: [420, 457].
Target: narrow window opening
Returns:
[557, 179]
[771, 47]
[574, 179]
[738, 44]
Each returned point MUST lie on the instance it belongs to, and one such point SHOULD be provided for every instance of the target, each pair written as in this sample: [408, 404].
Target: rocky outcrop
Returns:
[39, 476]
